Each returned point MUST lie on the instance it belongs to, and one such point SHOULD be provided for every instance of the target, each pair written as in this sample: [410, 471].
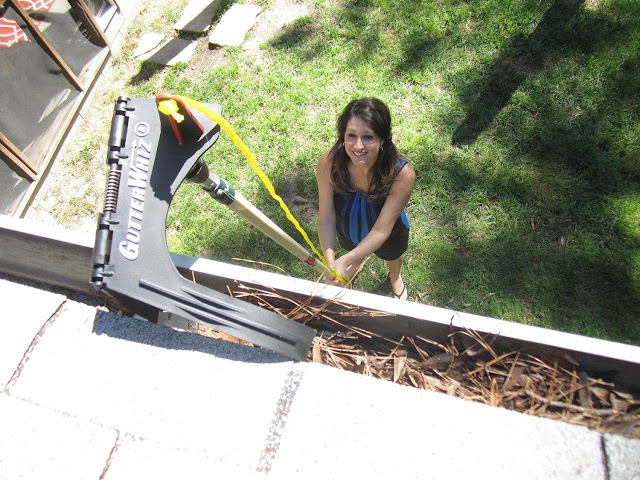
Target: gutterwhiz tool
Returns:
[149, 157]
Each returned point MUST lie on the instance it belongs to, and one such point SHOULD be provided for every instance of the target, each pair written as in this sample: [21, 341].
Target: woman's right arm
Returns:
[326, 212]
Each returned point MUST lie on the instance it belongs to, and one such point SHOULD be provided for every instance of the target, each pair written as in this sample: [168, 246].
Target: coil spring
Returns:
[113, 185]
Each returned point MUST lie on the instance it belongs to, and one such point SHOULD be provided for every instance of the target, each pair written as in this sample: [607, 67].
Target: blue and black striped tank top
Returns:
[357, 212]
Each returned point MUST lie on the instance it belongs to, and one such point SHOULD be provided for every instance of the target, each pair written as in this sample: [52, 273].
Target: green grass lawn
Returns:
[521, 119]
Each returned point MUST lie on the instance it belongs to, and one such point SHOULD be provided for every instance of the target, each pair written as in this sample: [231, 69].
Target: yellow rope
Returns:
[170, 107]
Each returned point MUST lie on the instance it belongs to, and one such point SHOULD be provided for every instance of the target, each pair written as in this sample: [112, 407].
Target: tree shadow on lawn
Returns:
[362, 34]
[544, 266]
[571, 260]
[489, 94]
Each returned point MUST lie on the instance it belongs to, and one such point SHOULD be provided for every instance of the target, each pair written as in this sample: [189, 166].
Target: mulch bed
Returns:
[542, 382]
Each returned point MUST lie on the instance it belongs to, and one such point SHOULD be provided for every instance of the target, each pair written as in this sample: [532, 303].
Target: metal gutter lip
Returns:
[441, 316]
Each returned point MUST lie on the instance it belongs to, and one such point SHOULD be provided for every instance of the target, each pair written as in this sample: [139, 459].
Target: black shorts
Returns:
[393, 247]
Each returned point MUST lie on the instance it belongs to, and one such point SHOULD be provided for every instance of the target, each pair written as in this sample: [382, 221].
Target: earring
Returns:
[381, 148]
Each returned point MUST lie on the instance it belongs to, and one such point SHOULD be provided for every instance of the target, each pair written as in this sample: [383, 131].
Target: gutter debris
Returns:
[543, 382]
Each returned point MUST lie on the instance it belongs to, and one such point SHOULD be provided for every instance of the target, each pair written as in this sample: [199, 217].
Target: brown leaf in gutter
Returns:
[399, 362]
[513, 378]
[316, 353]
[584, 394]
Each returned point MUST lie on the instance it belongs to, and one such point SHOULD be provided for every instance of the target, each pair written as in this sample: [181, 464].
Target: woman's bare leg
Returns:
[397, 284]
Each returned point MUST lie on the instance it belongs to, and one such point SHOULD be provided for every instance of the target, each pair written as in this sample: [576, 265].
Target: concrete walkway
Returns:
[86, 394]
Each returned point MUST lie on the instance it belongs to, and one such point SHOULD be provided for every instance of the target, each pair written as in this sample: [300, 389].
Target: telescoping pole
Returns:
[222, 191]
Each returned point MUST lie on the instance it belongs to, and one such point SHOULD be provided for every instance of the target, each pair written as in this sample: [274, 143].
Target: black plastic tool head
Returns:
[148, 161]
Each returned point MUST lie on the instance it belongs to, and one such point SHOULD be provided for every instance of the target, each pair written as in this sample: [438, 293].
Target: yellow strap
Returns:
[170, 107]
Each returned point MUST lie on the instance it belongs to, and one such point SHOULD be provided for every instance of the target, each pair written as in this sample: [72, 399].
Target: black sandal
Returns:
[403, 294]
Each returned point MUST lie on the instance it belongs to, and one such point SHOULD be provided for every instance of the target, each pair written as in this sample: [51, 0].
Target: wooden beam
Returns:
[16, 160]
[89, 21]
[46, 46]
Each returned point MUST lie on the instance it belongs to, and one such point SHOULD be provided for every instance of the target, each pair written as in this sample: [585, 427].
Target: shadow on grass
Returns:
[561, 268]
[522, 58]
[147, 71]
[358, 30]
[570, 257]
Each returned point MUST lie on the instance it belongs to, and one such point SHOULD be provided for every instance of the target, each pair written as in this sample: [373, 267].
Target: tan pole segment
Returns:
[224, 193]
[249, 212]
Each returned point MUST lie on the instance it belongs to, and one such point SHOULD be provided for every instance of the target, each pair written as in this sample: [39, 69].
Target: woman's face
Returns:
[361, 143]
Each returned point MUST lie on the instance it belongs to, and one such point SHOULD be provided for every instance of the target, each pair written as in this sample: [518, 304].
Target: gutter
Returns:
[63, 258]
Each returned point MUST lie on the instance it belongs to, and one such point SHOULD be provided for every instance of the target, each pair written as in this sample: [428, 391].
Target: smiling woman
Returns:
[364, 185]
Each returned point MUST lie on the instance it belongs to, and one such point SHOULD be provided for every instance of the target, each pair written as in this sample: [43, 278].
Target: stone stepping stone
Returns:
[148, 42]
[234, 25]
[152, 49]
[197, 16]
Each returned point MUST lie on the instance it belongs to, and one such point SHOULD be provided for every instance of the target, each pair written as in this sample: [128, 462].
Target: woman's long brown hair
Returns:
[375, 114]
